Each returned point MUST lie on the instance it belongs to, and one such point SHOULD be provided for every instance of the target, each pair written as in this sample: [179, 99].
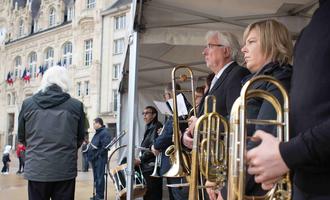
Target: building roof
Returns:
[118, 4]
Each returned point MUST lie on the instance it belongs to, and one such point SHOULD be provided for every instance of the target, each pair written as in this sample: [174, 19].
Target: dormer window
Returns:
[52, 17]
[21, 28]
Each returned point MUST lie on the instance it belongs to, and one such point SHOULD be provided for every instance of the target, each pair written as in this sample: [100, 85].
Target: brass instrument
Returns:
[209, 152]
[237, 138]
[158, 160]
[180, 160]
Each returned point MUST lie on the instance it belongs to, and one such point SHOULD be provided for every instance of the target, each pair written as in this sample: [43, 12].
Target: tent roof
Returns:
[173, 31]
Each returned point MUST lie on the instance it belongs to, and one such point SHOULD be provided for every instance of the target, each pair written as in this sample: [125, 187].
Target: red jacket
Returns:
[19, 149]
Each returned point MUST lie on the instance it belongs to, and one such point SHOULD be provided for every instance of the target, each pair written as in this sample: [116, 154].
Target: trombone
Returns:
[209, 152]
[237, 138]
[180, 159]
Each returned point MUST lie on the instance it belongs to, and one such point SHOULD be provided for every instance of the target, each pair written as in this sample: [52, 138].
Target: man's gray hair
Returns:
[229, 40]
[56, 75]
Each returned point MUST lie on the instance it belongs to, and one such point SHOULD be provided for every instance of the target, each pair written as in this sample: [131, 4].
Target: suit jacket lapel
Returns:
[216, 85]
[222, 77]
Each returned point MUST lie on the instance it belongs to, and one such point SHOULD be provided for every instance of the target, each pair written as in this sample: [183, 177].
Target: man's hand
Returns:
[155, 151]
[188, 134]
[265, 161]
[187, 140]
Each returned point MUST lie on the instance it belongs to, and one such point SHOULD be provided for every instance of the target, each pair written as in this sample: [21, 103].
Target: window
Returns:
[88, 52]
[78, 89]
[86, 88]
[67, 53]
[115, 100]
[33, 64]
[17, 71]
[51, 19]
[21, 28]
[115, 71]
[8, 99]
[90, 3]
[35, 26]
[70, 13]
[13, 98]
[49, 57]
[120, 22]
[118, 46]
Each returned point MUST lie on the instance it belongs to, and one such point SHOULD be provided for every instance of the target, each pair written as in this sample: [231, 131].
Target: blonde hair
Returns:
[275, 40]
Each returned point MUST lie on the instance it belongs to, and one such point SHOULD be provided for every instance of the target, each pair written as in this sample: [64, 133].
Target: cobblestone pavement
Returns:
[14, 187]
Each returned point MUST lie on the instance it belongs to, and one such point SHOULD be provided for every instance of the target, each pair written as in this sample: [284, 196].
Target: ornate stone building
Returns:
[85, 36]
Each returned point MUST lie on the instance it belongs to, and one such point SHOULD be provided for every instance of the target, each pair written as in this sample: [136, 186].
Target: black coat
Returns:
[147, 158]
[51, 126]
[308, 153]
[97, 148]
[226, 89]
[163, 142]
[260, 109]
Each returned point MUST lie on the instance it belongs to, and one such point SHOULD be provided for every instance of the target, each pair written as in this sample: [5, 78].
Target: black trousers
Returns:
[154, 187]
[60, 190]
[178, 193]
[300, 195]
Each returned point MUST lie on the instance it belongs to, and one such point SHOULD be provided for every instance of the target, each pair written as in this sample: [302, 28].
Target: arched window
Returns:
[49, 57]
[33, 64]
[18, 64]
[52, 16]
[21, 28]
[67, 53]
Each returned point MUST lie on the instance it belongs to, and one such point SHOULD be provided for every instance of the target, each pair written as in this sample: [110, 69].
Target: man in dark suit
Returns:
[222, 53]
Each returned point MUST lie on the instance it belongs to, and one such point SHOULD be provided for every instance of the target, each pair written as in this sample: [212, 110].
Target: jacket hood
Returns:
[52, 97]
[7, 149]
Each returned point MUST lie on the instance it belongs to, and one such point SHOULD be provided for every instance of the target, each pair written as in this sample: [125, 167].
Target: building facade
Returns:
[38, 34]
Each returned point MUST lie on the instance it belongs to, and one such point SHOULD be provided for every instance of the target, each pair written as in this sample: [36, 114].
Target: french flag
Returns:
[9, 79]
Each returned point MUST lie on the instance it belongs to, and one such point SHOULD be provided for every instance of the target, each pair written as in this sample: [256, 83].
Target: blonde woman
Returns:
[267, 51]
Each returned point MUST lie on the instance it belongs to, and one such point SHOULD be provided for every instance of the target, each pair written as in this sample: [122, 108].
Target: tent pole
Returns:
[132, 93]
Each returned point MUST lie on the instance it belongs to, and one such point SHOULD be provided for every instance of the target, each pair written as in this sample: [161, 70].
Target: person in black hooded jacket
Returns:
[308, 152]
[51, 126]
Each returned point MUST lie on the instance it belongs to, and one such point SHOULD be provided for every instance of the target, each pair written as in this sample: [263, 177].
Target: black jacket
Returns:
[260, 109]
[226, 89]
[97, 148]
[147, 158]
[308, 153]
[51, 126]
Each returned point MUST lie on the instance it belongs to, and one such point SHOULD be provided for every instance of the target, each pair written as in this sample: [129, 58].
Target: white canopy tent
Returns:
[171, 32]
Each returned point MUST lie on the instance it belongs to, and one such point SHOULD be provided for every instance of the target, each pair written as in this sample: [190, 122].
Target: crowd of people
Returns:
[50, 146]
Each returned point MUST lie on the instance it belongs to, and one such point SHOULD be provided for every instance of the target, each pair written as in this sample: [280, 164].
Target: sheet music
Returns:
[163, 107]
[181, 105]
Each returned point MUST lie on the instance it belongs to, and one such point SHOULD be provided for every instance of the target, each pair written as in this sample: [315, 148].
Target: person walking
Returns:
[6, 160]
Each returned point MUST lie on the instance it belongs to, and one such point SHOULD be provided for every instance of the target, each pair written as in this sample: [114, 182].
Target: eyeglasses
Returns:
[145, 113]
[209, 46]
